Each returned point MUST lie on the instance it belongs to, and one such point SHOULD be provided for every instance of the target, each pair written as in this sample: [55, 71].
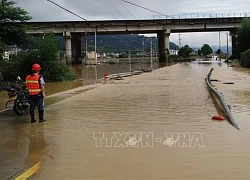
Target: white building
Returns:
[91, 55]
[6, 55]
[173, 52]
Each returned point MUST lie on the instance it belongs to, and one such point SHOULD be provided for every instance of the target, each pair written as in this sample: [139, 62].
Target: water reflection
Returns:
[22, 145]
[87, 75]
[37, 144]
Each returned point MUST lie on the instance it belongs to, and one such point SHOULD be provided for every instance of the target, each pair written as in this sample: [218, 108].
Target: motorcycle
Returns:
[18, 97]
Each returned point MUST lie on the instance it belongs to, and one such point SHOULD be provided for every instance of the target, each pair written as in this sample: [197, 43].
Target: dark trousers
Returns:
[36, 100]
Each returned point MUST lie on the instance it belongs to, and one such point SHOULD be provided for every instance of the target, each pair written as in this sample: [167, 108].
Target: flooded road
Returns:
[86, 75]
[86, 136]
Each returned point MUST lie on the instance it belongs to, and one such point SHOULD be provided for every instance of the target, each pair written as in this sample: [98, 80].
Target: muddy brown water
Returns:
[153, 106]
[87, 75]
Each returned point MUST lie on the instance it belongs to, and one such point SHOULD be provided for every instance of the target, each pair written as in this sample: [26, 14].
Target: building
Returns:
[91, 55]
[173, 52]
[6, 55]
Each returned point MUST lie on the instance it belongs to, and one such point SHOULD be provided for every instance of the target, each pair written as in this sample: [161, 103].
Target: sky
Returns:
[42, 10]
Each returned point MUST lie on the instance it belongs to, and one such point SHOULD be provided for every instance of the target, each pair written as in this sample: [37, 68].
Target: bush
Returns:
[178, 58]
[46, 55]
[245, 59]
[57, 71]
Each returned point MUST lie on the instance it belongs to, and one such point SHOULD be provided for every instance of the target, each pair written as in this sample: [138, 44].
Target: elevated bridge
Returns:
[73, 31]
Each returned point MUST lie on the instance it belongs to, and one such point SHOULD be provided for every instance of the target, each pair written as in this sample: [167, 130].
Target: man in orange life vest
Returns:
[36, 86]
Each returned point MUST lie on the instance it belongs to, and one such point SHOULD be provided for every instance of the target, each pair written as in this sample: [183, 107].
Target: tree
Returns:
[185, 51]
[219, 52]
[47, 55]
[48, 48]
[11, 30]
[245, 59]
[199, 52]
[244, 35]
[206, 49]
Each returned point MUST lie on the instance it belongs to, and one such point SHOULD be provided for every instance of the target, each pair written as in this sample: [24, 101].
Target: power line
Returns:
[116, 9]
[132, 43]
[145, 8]
[85, 19]
[125, 7]
[67, 10]
[105, 8]
[48, 6]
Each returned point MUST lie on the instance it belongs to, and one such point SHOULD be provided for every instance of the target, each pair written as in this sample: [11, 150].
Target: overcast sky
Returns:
[42, 10]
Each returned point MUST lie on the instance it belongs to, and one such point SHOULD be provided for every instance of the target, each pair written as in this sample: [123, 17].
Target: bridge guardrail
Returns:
[195, 16]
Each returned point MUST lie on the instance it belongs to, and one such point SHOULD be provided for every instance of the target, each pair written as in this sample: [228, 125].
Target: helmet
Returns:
[36, 67]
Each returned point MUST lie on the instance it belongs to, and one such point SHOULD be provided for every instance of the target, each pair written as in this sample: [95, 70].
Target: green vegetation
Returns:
[244, 35]
[185, 51]
[206, 50]
[219, 52]
[245, 59]
[243, 44]
[45, 54]
[43, 50]
[10, 32]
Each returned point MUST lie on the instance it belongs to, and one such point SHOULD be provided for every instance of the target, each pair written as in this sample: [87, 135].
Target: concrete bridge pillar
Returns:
[235, 48]
[77, 48]
[163, 44]
[67, 36]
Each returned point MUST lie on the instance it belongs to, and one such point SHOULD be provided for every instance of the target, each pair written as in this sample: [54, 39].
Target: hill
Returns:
[116, 43]
[223, 48]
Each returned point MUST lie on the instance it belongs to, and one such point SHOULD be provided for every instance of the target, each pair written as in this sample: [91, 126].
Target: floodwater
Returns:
[86, 136]
[87, 75]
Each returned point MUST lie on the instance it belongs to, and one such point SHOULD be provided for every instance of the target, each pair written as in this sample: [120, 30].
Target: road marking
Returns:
[4, 110]
[29, 172]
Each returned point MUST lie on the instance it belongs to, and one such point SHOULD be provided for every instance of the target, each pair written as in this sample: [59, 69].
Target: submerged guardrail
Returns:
[119, 76]
[221, 100]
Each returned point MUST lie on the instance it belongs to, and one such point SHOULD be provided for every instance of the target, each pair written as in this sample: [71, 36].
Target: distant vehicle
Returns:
[209, 56]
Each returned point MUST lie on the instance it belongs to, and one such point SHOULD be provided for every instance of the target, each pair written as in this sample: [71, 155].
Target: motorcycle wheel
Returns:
[18, 108]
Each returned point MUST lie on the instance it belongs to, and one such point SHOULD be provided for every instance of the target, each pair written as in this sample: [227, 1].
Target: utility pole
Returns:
[227, 44]
[220, 46]
[96, 73]
[15, 50]
[143, 44]
[86, 43]
[95, 49]
[129, 56]
[179, 40]
[151, 53]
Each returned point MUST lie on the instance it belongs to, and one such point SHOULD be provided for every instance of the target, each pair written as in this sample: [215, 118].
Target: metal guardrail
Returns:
[221, 100]
[126, 74]
[196, 16]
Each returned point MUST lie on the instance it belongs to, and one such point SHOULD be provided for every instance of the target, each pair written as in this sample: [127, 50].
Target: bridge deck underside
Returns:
[137, 26]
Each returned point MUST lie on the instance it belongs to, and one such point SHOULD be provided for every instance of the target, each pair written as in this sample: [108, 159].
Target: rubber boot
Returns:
[32, 116]
[41, 114]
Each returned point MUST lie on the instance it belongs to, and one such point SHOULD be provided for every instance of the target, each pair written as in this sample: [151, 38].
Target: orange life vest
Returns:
[33, 84]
